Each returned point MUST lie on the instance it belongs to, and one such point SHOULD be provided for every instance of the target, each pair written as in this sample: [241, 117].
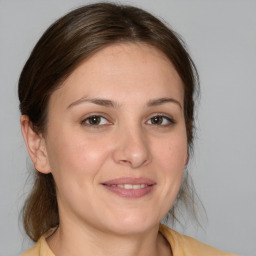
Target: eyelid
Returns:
[168, 117]
[100, 115]
[163, 115]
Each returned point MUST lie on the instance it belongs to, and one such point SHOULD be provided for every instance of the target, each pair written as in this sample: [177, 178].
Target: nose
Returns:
[132, 148]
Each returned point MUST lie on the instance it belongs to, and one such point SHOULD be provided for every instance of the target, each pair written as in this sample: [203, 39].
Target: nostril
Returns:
[132, 151]
[125, 162]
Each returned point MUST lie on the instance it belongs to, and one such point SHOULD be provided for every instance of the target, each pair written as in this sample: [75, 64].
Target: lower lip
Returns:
[130, 193]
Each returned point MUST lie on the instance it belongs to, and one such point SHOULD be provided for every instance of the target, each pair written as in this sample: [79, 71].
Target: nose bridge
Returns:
[132, 147]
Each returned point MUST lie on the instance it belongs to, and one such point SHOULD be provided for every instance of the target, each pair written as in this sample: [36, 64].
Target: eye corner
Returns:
[95, 121]
[161, 120]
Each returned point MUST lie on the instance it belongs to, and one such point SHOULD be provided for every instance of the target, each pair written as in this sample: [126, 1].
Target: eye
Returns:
[160, 120]
[95, 120]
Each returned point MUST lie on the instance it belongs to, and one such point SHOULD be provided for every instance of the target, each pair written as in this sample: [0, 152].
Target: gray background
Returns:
[221, 36]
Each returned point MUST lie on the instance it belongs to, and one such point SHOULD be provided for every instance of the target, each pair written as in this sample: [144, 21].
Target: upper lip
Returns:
[129, 180]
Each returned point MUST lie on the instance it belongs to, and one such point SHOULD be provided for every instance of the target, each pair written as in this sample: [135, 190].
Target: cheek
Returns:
[74, 156]
[172, 159]
[173, 153]
[76, 162]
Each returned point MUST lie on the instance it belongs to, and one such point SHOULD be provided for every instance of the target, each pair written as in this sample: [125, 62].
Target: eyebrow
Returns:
[112, 104]
[97, 101]
[160, 101]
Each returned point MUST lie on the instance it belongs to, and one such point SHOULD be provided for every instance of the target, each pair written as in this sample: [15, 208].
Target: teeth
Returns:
[130, 186]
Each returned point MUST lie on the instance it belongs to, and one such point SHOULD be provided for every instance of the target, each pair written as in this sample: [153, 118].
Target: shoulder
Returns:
[33, 251]
[183, 245]
[41, 248]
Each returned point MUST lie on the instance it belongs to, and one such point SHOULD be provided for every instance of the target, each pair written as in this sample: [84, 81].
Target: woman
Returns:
[107, 108]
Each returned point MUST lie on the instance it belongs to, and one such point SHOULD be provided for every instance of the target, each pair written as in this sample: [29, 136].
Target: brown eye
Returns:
[95, 121]
[157, 120]
[160, 120]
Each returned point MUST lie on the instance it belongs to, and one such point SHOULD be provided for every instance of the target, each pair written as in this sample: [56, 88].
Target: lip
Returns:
[112, 185]
[129, 180]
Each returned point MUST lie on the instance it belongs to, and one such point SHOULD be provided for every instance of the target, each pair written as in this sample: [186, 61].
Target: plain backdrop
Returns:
[221, 37]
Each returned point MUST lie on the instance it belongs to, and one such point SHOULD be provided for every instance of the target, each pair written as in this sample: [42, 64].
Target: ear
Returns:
[35, 145]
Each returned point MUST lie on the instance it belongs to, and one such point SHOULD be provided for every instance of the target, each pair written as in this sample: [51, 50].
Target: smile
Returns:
[130, 187]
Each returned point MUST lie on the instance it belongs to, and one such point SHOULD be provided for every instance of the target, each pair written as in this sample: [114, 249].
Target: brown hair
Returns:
[63, 46]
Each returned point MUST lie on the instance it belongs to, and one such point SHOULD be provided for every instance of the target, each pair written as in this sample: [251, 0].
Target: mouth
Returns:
[130, 187]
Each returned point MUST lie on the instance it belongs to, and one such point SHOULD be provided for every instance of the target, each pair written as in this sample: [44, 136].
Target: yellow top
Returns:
[181, 245]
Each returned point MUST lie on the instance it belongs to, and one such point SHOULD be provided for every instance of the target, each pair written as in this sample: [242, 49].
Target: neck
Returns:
[71, 241]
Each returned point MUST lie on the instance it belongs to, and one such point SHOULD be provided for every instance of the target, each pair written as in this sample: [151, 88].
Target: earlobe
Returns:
[35, 145]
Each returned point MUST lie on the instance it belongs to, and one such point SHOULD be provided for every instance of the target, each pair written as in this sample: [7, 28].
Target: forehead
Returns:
[119, 70]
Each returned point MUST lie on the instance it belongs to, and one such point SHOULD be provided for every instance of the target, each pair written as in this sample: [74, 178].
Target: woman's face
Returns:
[116, 140]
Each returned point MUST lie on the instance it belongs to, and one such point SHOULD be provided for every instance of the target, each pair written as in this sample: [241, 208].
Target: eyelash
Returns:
[170, 121]
[87, 119]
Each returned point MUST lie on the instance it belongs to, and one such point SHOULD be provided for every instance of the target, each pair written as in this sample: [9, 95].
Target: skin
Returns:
[125, 143]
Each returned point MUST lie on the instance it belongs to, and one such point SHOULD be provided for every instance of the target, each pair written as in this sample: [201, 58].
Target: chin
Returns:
[134, 224]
